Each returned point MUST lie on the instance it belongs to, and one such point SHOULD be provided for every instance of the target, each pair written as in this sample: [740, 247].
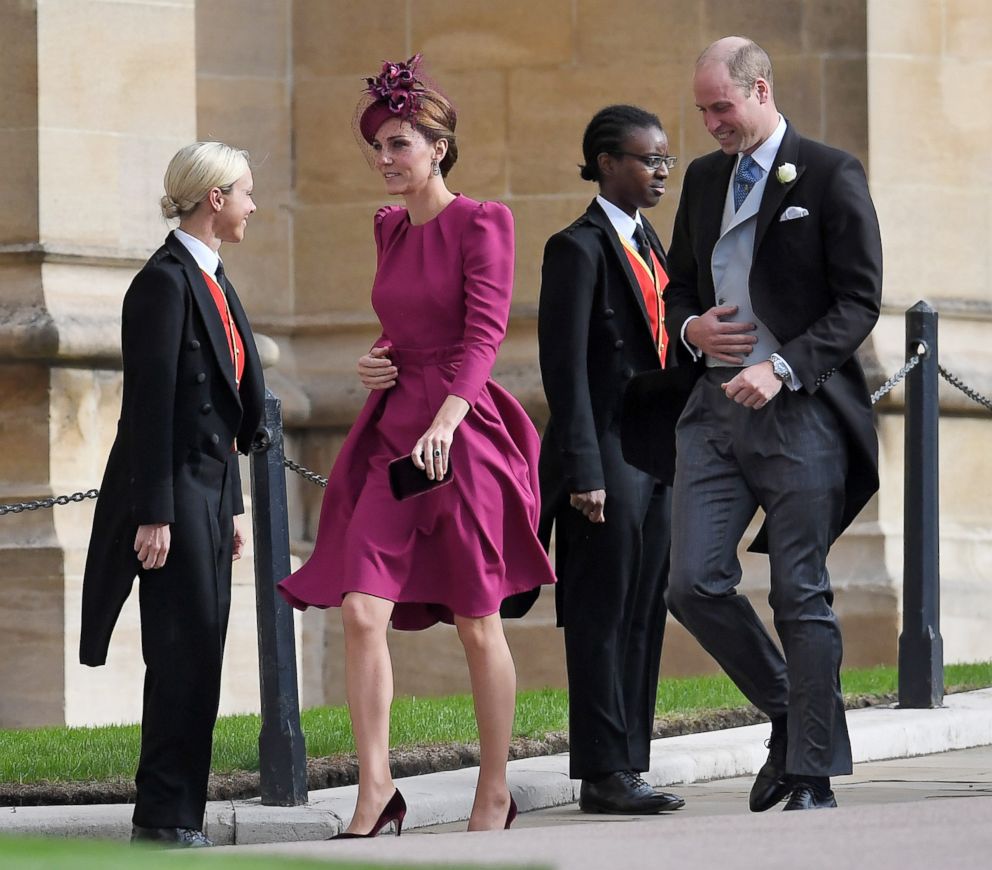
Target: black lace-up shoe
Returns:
[170, 838]
[771, 784]
[672, 801]
[805, 797]
[620, 793]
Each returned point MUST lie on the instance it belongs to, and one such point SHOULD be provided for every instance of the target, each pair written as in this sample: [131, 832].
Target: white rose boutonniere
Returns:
[785, 173]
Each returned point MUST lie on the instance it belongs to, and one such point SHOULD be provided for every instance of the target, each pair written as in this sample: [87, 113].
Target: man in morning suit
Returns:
[601, 320]
[775, 280]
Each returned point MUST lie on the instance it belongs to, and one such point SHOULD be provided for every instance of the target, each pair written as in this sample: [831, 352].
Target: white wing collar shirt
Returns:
[206, 259]
[622, 222]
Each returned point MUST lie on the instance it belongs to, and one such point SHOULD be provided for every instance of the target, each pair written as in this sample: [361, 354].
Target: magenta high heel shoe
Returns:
[394, 811]
[511, 814]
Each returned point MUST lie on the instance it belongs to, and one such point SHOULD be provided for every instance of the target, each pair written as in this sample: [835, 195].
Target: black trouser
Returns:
[612, 605]
[184, 612]
[790, 459]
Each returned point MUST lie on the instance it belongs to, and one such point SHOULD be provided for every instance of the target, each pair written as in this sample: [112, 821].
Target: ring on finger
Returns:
[437, 454]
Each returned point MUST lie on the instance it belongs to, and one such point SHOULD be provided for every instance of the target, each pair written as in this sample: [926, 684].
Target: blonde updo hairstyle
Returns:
[196, 170]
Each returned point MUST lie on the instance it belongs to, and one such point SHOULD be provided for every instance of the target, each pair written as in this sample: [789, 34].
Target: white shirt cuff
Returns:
[793, 383]
[696, 353]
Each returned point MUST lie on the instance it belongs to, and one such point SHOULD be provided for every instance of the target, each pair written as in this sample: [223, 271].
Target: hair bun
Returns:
[169, 207]
[195, 170]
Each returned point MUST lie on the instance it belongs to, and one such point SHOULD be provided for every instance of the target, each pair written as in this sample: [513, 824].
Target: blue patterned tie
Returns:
[748, 172]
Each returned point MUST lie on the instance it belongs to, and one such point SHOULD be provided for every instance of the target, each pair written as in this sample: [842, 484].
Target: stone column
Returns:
[928, 61]
[97, 97]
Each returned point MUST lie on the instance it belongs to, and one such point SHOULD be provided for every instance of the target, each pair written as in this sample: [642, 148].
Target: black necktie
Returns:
[220, 276]
[643, 246]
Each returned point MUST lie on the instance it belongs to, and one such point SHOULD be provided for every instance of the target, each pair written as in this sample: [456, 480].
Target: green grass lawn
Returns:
[18, 853]
[108, 752]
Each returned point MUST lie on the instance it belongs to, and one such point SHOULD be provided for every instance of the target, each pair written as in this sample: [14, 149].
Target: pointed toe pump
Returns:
[511, 814]
[394, 811]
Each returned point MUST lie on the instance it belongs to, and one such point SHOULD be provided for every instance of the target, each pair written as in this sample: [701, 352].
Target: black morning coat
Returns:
[816, 283]
[180, 407]
[594, 336]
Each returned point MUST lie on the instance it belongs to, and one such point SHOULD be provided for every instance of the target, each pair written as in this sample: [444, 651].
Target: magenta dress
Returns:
[442, 293]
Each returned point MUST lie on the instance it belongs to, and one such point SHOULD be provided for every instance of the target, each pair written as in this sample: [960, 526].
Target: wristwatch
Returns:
[780, 368]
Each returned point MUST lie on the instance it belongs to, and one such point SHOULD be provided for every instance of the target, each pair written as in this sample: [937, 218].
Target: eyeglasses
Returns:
[651, 161]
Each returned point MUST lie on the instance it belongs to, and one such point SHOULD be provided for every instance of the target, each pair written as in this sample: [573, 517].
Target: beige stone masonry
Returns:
[100, 93]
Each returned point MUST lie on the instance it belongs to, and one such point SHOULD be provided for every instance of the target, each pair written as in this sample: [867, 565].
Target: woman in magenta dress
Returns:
[442, 292]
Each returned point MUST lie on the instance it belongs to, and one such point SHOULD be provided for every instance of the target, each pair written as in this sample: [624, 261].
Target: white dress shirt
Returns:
[206, 259]
[764, 154]
[622, 222]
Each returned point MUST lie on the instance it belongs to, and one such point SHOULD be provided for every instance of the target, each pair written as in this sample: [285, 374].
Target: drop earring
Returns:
[435, 169]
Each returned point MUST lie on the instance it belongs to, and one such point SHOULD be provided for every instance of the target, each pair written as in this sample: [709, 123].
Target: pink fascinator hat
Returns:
[394, 93]
[402, 90]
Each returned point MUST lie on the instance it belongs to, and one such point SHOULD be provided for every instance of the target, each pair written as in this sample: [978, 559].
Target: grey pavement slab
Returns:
[900, 837]
[954, 774]
[910, 814]
[716, 758]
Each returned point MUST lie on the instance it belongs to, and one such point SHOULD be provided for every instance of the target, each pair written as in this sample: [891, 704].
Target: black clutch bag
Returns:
[406, 480]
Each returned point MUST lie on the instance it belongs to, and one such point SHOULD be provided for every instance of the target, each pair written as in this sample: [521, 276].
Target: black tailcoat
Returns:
[181, 411]
[594, 336]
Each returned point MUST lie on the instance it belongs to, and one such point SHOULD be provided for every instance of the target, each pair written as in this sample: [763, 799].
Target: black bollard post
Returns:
[282, 750]
[921, 649]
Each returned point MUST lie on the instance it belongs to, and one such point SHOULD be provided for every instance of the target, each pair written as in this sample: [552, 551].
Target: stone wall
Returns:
[100, 93]
[525, 78]
[98, 96]
[928, 62]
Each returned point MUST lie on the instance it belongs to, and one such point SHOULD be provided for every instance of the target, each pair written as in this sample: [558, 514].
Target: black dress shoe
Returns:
[771, 784]
[620, 793]
[672, 801]
[170, 838]
[805, 797]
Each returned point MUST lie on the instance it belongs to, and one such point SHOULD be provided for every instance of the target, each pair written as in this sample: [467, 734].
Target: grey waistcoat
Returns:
[731, 268]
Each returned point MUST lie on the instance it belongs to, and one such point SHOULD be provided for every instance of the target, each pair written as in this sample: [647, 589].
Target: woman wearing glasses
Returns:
[601, 321]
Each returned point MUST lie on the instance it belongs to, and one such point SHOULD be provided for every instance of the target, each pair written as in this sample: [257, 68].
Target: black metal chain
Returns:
[20, 507]
[305, 472]
[887, 387]
[974, 395]
[321, 481]
[41, 503]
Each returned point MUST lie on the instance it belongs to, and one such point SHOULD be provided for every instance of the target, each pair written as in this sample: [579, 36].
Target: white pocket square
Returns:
[792, 213]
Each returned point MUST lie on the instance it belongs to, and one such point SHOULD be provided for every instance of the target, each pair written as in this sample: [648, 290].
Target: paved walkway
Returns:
[713, 771]
[957, 774]
[927, 812]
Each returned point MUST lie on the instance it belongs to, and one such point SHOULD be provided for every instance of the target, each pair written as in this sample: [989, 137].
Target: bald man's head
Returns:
[733, 91]
[745, 60]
